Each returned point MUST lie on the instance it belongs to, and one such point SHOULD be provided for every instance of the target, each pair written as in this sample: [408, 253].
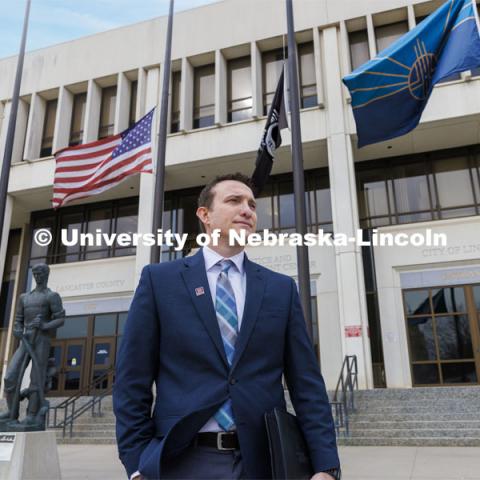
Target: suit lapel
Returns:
[195, 276]
[253, 301]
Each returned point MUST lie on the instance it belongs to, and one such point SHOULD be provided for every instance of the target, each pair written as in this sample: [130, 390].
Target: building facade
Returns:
[410, 314]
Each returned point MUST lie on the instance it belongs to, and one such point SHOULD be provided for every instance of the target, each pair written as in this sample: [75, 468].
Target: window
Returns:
[387, 34]
[99, 219]
[107, 112]
[412, 193]
[359, 51]
[48, 128]
[455, 192]
[78, 119]
[204, 96]
[419, 188]
[239, 89]
[272, 63]
[441, 328]
[175, 105]
[126, 222]
[308, 86]
[133, 103]
[118, 216]
[373, 197]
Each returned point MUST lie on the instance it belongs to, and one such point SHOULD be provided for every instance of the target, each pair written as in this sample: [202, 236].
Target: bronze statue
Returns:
[39, 313]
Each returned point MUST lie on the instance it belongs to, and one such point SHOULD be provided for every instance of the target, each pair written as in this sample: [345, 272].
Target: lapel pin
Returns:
[199, 291]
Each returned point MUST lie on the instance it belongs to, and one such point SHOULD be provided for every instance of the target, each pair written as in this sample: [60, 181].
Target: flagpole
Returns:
[162, 141]
[298, 175]
[7, 156]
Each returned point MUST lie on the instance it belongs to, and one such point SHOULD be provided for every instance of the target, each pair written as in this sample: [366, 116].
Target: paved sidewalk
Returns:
[100, 462]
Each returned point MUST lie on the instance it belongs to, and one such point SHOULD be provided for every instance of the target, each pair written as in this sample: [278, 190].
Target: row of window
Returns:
[423, 187]
[275, 208]
[106, 119]
[238, 88]
[118, 216]
[385, 35]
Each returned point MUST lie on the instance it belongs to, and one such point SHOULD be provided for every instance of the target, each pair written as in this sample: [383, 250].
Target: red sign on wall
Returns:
[353, 331]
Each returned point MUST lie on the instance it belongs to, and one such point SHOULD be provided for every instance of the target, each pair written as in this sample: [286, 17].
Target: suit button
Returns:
[233, 381]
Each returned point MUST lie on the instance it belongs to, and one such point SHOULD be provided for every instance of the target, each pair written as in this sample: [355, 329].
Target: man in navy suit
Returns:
[215, 332]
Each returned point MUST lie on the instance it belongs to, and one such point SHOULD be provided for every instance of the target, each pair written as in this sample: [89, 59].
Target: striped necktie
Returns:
[226, 309]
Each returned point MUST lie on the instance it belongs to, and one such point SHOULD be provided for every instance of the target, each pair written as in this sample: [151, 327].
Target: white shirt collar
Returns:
[212, 258]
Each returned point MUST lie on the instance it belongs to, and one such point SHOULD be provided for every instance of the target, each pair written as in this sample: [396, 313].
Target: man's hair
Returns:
[42, 267]
[205, 199]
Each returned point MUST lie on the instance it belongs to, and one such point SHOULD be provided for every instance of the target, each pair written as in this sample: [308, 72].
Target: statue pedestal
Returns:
[29, 456]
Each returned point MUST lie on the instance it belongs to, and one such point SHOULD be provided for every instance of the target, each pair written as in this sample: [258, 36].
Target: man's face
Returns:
[233, 207]
[40, 276]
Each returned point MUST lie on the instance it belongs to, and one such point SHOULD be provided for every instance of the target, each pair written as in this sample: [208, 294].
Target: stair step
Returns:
[412, 441]
[90, 434]
[416, 424]
[86, 441]
[415, 433]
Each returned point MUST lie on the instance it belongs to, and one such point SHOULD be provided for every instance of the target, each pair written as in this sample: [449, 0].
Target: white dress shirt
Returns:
[238, 280]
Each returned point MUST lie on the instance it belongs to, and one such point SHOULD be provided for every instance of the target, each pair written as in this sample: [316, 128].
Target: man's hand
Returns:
[18, 332]
[36, 322]
[322, 476]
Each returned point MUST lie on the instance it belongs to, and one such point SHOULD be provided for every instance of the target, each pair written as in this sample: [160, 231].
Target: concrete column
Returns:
[348, 259]
[36, 119]
[122, 106]
[21, 263]
[147, 180]
[141, 93]
[412, 23]
[186, 96]
[3, 254]
[220, 88]
[256, 62]
[317, 54]
[2, 112]
[92, 112]
[345, 59]
[170, 96]
[63, 120]
[5, 115]
[372, 42]
[20, 131]
[6, 228]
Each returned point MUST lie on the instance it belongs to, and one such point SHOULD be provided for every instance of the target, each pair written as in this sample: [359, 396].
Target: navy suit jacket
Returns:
[172, 340]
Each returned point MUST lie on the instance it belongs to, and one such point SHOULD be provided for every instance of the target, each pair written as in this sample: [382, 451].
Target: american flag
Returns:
[92, 168]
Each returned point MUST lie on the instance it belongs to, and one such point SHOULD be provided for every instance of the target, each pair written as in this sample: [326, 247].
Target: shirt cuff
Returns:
[136, 474]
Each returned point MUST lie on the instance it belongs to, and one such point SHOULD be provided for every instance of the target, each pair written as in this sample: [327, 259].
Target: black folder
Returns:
[289, 455]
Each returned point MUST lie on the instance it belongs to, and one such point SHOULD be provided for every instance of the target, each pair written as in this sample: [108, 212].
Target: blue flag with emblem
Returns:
[390, 92]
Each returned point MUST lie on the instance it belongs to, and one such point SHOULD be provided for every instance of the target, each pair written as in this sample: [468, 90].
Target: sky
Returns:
[56, 21]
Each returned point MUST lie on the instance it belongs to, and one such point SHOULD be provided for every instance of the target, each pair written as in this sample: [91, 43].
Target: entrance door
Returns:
[443, 335]
[103, 355]
[69, 358]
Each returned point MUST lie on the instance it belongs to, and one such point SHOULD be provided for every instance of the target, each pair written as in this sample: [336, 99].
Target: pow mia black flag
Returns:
[271, 138]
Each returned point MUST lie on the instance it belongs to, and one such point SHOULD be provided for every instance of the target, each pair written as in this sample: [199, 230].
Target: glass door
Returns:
[103, 355]
[443, 336]
[73, 365]
[55, 373]
[67, 362]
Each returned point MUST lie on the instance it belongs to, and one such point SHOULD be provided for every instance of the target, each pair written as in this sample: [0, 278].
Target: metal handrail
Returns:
[343, 402]
[71, 410]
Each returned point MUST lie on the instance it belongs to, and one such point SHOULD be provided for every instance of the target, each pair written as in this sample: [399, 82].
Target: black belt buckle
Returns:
[220, 437]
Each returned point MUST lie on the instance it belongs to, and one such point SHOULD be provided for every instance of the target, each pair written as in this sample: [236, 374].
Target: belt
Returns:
[218, 440]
